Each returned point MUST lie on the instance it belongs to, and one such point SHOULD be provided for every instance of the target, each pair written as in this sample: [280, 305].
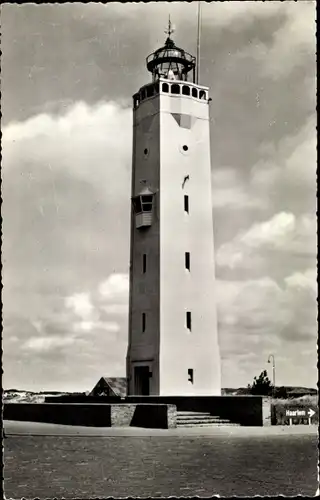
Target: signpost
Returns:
[299, 412]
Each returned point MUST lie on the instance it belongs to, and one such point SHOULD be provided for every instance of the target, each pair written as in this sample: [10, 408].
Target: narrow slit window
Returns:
[144, 263]
[186, 203]
[143, 322]
[190, 375]
[188, 318]
[187, 260]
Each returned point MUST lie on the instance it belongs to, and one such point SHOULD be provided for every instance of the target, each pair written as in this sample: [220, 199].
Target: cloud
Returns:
[116, 287]
[91, 326]
[273, 232]
[229, 191]
[259, 317]
[286, 171]
[41, 344]
[306, 280]
[80, 303]
[84, 156]
[284, 235]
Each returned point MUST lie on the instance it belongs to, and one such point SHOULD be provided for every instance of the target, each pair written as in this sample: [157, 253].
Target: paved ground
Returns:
[144, 462]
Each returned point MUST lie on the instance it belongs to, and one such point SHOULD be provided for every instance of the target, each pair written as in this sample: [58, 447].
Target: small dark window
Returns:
[186, 90]
[147, 207]
[143, 322]
[188, 318]
[146, 203]
[190, 375]
[142, 94]
[144, 263]
[136, 101]
[145, 151]
[150, 91]
[165, 87]
[185, 147]
[187, 260]
[194, 92]
[186, 203]
[175, 88]
[202, 94]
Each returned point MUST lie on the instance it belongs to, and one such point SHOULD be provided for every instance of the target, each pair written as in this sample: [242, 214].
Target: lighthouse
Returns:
[173, 345]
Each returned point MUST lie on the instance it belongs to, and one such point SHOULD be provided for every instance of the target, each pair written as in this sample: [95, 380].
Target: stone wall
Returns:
[172, 416]
[121, 415]
[91, 415]
[266, 412]
[153, 416]
[244, 410]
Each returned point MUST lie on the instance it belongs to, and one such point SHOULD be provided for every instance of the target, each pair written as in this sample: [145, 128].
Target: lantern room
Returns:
[171, 62]
[142, 206]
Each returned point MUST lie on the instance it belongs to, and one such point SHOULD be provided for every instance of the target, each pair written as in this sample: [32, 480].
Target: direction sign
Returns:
[295, 412]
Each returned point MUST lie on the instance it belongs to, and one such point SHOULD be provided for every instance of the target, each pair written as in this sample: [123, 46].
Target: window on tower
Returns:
[146, 203]
[142, 206]
[144, 263]
[190, 375]
[187, 260]
[202, 94]
[165, 87]
[175, 89]
[143, 322]
[186, 203]
[136, 101]
[142, 94]
[186, 90]
[150, 91]
[188, 320]
[194, 92]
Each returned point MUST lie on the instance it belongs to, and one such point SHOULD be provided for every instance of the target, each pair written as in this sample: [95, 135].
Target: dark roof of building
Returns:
[110, 386]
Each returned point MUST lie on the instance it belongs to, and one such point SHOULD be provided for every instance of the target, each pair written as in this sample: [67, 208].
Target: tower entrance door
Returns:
[141, 381]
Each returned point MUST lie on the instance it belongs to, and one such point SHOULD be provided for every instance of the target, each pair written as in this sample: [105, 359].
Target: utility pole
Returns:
[198, 42]
[271, 356]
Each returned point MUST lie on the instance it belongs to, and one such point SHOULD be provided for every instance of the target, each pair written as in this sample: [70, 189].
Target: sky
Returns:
[68, 75]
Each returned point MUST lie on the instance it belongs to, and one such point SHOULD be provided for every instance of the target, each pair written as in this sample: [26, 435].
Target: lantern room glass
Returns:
[171, 62]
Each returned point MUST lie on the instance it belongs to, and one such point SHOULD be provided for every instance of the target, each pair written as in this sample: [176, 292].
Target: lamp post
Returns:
[271, 356]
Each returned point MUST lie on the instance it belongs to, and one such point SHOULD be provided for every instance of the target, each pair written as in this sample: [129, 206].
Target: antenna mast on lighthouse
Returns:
[170, 28]
[198, 42]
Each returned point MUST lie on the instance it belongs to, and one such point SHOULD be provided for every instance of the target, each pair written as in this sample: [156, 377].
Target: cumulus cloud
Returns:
[283, 233]
[41, 344]
[229, 191]
[258, 317]
[81, 304]
[116, 287]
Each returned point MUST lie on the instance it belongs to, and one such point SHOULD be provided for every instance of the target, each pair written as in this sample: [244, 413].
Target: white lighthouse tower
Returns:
[173, 341]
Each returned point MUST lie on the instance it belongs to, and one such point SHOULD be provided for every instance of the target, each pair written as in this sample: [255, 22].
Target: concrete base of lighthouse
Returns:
[241, 410]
